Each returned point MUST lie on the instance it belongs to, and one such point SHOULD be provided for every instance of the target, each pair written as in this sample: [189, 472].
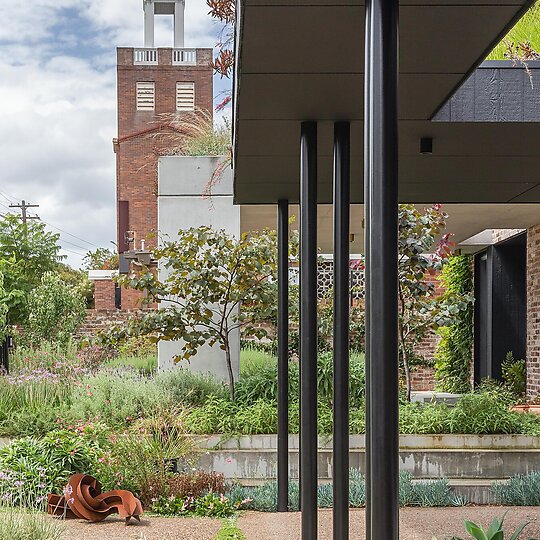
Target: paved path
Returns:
[415, 523]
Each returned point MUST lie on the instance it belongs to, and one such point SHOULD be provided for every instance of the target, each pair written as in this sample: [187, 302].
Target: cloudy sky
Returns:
[58, 107]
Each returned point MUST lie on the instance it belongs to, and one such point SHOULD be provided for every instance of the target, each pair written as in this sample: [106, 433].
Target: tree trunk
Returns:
[229, 367]
[407, 369]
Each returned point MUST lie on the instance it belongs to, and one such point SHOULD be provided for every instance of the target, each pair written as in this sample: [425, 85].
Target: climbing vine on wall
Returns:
[453, 359]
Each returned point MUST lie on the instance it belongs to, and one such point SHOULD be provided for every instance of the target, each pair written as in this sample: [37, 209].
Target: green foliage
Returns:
[514, 375]
[495, 530]
[101, 259]
[3, 308]
[184, 386]
[520, 490]
[138, 458]
[483, 412]
[419, 311]
[230, 531]
[78, 281]
[145, 365]
[138, 346]
[17, 524]
[27, 252]
[422, 493]
[209, 505]
[526, 31]
[32, 407]
[56, 311]
[254, 359]
[214, 140]
[454, 351]
[262, 384]
[31, 468]
[117, 398]
[215, 286]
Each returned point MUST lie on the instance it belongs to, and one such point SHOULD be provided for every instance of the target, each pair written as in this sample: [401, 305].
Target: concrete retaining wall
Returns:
[470, 462]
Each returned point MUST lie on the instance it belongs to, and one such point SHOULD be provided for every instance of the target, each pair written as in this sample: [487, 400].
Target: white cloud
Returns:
[58, 105]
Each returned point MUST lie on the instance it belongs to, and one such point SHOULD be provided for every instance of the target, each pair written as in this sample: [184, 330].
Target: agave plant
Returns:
[495, 531]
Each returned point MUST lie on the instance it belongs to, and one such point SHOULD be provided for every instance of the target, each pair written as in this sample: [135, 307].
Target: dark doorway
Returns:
[500, 316]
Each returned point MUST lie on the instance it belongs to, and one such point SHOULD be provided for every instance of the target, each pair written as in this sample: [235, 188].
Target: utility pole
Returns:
[23, 207]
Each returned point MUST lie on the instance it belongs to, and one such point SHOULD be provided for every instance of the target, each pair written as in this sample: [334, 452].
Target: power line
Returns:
[70, 234]
[64, 241]
[74, 252]
[10, 198]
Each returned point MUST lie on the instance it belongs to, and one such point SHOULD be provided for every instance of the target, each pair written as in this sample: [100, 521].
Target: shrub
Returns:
[136, 346]
[262, 383]
[209, 505]
[118, 398]
[483, 412]
[195, 484]
[92, 357]
[56, 310]
[29, 406]
[514, 375]
[138, 459]
[425, 493]
[31, 468]
[190, 388]
[254, 357]
[520, 490]
[230, 531]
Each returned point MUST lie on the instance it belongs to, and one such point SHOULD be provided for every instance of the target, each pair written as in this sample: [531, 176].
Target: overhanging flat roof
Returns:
[299, 61]
[464, 221]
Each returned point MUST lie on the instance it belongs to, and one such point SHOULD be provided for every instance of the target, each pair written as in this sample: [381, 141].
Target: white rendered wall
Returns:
[181, 205]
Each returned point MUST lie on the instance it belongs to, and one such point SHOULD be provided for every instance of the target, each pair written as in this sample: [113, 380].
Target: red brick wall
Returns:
[533, 311]
[136, 152]
[104, 294]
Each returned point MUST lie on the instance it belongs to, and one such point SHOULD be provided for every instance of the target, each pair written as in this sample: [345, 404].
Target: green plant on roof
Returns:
[522, 43]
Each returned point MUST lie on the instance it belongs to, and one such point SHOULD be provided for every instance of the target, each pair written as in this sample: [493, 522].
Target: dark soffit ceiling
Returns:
[300, 62]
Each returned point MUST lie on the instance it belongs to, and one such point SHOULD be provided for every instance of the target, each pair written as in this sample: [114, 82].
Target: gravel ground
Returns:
[152, 528]
[415, 523]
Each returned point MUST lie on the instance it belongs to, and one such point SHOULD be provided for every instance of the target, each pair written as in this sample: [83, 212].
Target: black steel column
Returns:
[381, 155]
[368, 65]
[340, 470]
[283, 356]
[308, 329]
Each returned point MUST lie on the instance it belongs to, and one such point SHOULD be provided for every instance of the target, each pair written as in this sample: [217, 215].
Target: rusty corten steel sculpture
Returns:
[83, 499]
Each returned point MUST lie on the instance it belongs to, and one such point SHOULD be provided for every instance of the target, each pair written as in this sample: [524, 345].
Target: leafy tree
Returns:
[420, 311]
[101, 259]
[27, 252]
[78, 279]
[211, 285]
[56, 310]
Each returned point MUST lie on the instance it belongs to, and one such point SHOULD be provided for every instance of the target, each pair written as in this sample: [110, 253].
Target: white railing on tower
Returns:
[145, 56]
[184, 57]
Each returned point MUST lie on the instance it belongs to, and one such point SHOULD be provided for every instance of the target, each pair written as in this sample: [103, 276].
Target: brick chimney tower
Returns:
[151, 81]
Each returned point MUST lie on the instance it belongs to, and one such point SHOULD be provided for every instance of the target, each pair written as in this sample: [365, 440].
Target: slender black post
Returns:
[368, 65]
[341, 329]
[381, 155]
[283, 356]
[308, 329]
